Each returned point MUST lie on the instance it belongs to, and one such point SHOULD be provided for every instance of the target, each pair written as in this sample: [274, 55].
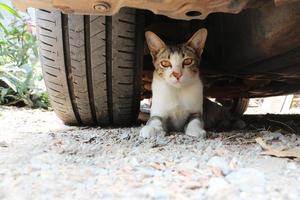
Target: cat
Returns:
[220, 118]
[177, 90]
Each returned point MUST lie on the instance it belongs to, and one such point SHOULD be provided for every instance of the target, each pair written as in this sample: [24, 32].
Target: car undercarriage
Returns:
[252, 50]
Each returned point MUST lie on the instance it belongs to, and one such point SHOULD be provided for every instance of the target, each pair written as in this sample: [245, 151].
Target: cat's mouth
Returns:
[177, 82]
[176, 79]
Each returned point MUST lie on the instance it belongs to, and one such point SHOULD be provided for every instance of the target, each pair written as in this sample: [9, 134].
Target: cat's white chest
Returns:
[176, 104]
[177, 116]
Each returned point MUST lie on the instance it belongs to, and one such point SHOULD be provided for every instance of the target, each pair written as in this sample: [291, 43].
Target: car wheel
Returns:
[236, 106]
[92, 65]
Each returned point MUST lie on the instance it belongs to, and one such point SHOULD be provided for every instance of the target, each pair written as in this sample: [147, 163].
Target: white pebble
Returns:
[291, 166]
[247, 180]
[219, 188]
[219, 162]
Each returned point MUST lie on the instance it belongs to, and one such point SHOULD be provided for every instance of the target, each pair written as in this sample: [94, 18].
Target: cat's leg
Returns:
[195, 126]
[153, 128]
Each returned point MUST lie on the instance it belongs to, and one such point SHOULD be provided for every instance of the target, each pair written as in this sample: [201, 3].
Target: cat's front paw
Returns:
[195, 129]
[198, 132]
[150, 131]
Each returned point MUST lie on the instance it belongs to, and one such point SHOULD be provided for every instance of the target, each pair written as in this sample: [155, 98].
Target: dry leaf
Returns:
[233, 164]
[220, 151]
[193, 185]
[157, 165]
[293, 153]
[58, 143]
[216, 171]
[262, 143]
[186, 173]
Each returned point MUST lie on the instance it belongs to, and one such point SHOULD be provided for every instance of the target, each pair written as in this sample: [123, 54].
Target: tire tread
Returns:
[91, 65]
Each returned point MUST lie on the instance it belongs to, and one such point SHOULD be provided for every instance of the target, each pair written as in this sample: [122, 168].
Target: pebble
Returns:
[205, 156]
[133, 161]
[1, 194]
[269, 164]
[233, 164]
[200, 145]
[120, 168]
[293, 138]
[125, 136]
[291, 166]
[219, 162]
[219, 188]
[3, 144]
[247, 180]
[151, 192]
[149, 172]
[273, 135]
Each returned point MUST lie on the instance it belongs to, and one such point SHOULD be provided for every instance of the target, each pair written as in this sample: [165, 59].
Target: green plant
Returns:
[20, 75]
[8, 9]
[21, 87]
[17, 42]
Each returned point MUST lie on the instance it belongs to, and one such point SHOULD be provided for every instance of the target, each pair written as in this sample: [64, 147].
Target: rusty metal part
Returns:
[282, 2]
[102, 7]
[177, 9]
[228, 86]
[255, 53]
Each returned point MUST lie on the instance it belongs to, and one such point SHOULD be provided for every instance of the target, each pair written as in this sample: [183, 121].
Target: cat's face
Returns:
[178, 65]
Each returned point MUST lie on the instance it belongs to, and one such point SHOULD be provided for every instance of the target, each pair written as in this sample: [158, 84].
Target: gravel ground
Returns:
[40, 158]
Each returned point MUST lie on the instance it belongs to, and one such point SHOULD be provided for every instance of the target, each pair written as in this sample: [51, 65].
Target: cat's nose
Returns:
[177, 74]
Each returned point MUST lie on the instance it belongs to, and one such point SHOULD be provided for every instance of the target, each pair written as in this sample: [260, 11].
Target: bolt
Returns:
[102, 6]
[64, 9]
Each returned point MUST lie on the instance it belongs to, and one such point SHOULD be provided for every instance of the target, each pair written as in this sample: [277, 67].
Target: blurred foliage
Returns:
[21, 80]
[22, 86]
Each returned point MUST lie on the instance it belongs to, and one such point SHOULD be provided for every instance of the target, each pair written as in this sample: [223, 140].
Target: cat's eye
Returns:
[165, 63]
[187, 61]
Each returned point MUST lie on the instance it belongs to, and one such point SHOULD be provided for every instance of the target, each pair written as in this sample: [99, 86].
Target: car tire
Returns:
[236, 106]
[240, 106]
[92, 65]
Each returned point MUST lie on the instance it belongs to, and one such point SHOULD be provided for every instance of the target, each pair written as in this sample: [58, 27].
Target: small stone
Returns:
[247, 179]
[270, 164]
[219, 188]
[151, 192]
[160, 141]
[233, 164]
[3, 144]
[2, 194]
[293, 138]
[125, 136]
[192, 162]
[200, 145]
[134, 162]
[148, 172]
[209, 150]
[205, 156]
[291, 166]
[219, 162]
[220, 151]
[201, 193]
[273, 136]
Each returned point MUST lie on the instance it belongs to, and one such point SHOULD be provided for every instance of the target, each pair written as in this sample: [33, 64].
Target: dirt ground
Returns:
[40, 158]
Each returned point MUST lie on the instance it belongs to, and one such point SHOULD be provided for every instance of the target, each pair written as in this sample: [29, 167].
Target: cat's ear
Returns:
[197, 41]
[154, 43]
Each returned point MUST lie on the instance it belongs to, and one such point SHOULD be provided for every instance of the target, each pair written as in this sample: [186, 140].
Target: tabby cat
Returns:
[177, 100]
